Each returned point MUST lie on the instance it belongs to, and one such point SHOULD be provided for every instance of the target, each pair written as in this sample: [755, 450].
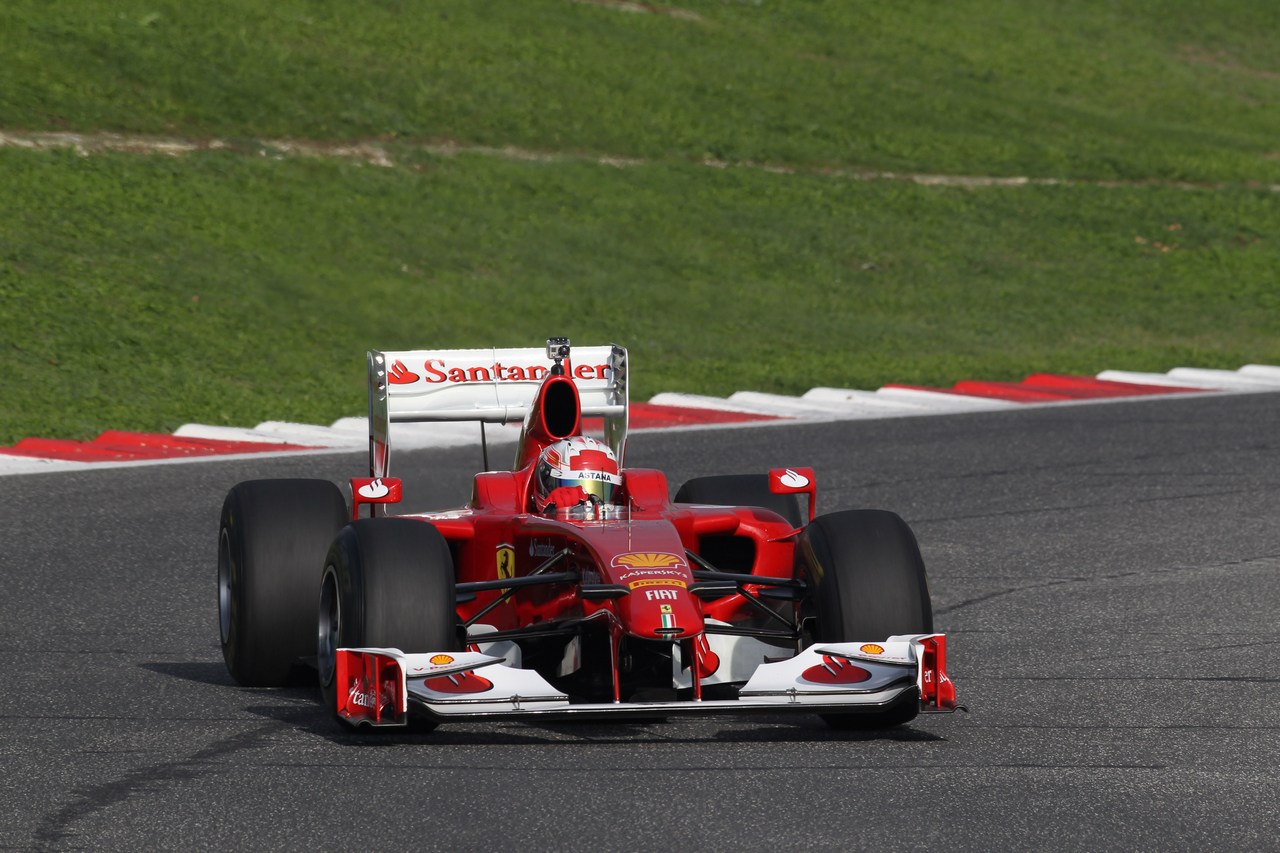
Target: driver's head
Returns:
[573, 471]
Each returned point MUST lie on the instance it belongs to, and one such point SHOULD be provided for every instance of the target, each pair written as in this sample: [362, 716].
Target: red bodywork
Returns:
[628, 573]
[642, 603]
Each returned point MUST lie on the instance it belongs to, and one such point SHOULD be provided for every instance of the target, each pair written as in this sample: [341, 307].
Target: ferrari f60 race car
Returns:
[570, 585]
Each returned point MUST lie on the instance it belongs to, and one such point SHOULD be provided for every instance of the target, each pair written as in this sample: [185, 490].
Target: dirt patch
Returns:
[376, 154]
[644, 8]
[1223, 61]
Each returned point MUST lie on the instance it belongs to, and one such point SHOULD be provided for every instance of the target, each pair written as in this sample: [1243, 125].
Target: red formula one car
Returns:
[571, 585]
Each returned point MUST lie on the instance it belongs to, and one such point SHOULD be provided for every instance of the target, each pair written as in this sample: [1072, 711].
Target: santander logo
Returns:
[361, 697]
[793, 479]
[401, 375]
[437, 371]
[834, 670]
[459, 682]
[373, 491]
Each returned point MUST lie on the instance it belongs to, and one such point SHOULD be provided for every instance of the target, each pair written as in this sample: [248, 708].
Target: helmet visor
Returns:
[601, 490]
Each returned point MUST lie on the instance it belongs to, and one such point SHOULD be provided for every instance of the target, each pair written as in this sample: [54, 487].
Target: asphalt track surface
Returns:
[1106, 573]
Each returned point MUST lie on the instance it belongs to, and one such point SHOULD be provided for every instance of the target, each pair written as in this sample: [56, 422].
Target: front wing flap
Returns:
[378, 686]
[827, 671]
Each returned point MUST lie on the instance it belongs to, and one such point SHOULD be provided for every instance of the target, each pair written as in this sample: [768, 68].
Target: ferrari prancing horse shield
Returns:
[506, 562]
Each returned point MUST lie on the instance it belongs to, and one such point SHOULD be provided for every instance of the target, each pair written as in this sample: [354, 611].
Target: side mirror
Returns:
[373, 491]
[795, 481]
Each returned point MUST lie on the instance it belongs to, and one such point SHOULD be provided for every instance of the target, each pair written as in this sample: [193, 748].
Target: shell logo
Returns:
[648, 560]
[441, 660]
[871, 649]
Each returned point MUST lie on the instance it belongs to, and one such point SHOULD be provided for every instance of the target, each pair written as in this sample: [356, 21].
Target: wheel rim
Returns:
[226, 585]
[329, 627]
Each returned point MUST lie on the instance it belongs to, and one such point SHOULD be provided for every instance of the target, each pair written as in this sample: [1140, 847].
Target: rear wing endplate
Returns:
[495, 386]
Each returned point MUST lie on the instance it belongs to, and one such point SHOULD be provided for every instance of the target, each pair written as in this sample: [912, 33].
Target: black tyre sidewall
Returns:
[868, 583]
[274, 534]
[867, 577]
[395, 588]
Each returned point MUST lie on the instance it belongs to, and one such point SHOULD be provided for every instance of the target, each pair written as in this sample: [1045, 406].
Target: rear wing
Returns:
[495, 386]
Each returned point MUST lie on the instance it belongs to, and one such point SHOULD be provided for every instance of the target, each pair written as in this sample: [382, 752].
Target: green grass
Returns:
[144, 291]
[1161, 89]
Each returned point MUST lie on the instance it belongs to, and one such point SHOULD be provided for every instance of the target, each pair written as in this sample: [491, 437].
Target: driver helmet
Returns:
[580, 462]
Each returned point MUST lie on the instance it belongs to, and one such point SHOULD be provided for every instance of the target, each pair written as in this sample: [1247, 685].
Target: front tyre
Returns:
[271, 545]
[867, 582]
[387, 583]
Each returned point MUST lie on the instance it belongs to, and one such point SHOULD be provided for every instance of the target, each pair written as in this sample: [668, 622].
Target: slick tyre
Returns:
[740, 490]
[387, 583]
[867, 582]
[271, 546]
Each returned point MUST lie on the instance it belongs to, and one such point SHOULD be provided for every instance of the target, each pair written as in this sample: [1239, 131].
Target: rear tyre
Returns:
[740, 490]
[867, 582]
[387, 583]
[271, 546]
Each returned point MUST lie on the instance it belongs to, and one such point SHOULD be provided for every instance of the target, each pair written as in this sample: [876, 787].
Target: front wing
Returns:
[378, 687]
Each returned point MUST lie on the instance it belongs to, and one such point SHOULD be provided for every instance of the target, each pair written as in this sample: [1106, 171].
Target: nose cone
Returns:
[667, 612]
[647, 557]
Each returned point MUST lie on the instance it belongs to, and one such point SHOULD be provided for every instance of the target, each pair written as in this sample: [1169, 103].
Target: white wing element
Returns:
[494, 385]
[487, 385]
[829, 677]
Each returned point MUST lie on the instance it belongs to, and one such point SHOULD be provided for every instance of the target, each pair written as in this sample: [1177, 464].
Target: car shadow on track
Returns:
[204, 672]
[215, 672]
[705, 730]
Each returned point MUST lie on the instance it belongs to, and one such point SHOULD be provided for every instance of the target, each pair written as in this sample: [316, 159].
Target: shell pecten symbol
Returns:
[648, 560]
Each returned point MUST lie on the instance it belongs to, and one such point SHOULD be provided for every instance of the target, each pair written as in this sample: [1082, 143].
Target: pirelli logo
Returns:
[657, 582]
